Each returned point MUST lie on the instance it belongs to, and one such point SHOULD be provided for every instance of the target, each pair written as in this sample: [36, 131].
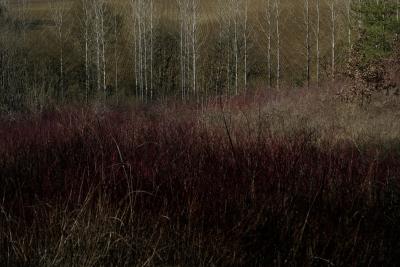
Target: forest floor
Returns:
[293, 178]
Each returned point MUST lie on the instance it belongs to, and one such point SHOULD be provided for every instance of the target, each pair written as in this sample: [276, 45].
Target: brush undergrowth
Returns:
[169, 188]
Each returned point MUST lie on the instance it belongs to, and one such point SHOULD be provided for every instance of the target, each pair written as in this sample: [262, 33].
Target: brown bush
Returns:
[365, 78]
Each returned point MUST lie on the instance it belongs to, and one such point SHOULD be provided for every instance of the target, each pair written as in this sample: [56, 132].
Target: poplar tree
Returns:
[318, 7]
[278, 45]
[269, 39]
[307, 40]
[86, 24]
[58, 15]
[245, 40]
[333, 38]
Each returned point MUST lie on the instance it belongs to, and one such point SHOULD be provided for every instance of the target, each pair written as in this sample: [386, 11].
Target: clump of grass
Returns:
[151, 188]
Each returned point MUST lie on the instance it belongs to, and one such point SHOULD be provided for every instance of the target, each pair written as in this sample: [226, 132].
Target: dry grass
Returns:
[284, 184]
[332, 121]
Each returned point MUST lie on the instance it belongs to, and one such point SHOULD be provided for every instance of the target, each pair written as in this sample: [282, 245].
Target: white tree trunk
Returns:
[397, 14]
[181, 19]
[269, 36]
[359, 19]
[317, 40]
[188, 50]
[116, 55]
[333, 39]
[136, 55]
[278, 48]
[307, 41]
[228, 65]
[86, 12]
[349, 36]
[145, 44]
[194, 50]
[245, 42]
[58, 18]
[236, 47]
[151, 48]
[103, 48]
[97, 31]
[140, 53]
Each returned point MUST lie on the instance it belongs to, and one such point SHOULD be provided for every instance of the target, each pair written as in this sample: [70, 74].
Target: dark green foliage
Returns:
[379, 27]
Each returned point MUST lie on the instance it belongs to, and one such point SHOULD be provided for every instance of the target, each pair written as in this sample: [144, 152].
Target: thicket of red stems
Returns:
[215, 195]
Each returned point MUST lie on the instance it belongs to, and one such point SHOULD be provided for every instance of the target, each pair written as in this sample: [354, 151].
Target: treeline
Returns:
[85, 50]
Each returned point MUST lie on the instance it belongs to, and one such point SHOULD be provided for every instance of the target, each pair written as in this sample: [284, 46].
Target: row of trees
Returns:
[192, 49]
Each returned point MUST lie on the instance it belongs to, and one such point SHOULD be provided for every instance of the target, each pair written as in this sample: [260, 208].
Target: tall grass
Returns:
[166, 187]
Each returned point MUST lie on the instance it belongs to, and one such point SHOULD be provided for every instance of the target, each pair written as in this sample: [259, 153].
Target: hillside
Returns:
[200, 133]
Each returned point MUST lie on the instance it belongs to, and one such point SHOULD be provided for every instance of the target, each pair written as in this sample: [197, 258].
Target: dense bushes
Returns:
[152, 188]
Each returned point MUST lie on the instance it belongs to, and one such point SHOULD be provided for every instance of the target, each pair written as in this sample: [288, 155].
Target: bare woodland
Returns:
[187, 49]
